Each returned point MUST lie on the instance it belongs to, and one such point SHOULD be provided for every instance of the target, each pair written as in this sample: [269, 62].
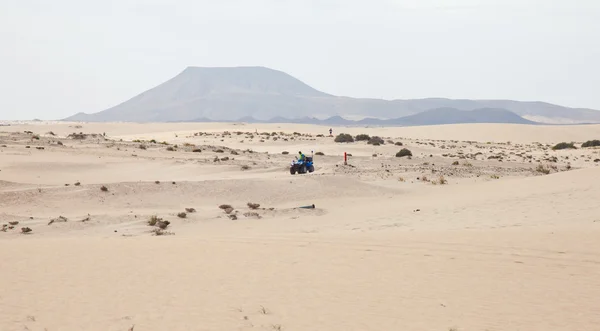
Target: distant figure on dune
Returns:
[330, 132]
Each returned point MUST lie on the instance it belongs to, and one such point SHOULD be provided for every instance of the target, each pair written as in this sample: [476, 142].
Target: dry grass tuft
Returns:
[161, 232]
[541, 169]
[182, 215]
[153, 220]
[252, 214]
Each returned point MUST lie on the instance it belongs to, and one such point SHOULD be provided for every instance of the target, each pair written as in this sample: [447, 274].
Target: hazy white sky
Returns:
[61, 57]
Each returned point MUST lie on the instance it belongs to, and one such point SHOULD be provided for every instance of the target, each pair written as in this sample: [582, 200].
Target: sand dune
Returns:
[471, 233]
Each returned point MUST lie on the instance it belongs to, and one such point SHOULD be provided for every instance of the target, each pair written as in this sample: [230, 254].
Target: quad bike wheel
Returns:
[311, 168]
[293, 170]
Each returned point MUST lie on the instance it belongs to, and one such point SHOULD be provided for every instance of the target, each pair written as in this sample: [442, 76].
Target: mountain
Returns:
[436, 116]
[455, 116]
[227, 93]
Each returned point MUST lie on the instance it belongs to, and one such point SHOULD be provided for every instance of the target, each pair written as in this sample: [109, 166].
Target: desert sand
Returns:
[485, 227]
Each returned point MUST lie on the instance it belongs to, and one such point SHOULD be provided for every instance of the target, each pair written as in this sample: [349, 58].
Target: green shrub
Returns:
[563, 145]
[344, 138]
[376, 141]
[363, 137]
[591, 143]
[404, 152]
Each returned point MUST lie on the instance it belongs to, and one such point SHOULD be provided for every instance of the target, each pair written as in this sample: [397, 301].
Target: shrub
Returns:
[170, 149]
[182, 215]
[143, 147]
[285, 152]
[320, 153]
[253, 205]
[343, 138]
[540, 168]
[404, 152]
[591, 143]
[245, 167]
[455, 163]
[225, 207]
[563, 145]
[163, 224]
[398, 143]
[376, 141]
[190, 210]
[197, 150]
[104, 188]
[362, 137]
[219, 151]
[153, 220]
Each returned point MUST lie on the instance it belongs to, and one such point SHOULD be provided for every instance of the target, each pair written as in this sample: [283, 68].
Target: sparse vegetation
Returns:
[591, 143]
[563, 145]
[182, 215]
[344, 138]
[153, 220]
[171, 149]
[163, 224]
[376, 141]
[104, 188]
[196, 150]
[541, 169]
[143, 147]
[320, 153]
[455, 163]
[245, 167]
[190, 210]
[398, 143]
[442, 180]
[285, 152]
[363, 137]
[161, 232]
[219, 151]
[26, 230]
[404, 152]
[225, 207]
[253, 205]
[252, 214]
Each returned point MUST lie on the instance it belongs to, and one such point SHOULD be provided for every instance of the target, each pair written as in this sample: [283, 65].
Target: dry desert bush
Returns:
[182, 215]
[104, 188]
[253, 205]
[190, 210]
[362, 137]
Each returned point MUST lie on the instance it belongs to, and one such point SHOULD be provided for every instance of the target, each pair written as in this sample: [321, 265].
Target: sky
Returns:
[61, 57]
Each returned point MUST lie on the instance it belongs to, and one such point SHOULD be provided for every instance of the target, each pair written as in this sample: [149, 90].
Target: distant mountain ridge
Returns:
[227, 93]
[431, 117]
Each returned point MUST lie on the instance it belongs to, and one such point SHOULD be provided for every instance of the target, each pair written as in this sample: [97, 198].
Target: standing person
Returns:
[330, 132]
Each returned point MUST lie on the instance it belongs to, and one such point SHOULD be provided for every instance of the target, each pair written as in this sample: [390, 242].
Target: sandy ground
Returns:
[485, 227]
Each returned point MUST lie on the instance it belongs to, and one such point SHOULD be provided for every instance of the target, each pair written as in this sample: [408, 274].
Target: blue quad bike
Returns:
[302, 167]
